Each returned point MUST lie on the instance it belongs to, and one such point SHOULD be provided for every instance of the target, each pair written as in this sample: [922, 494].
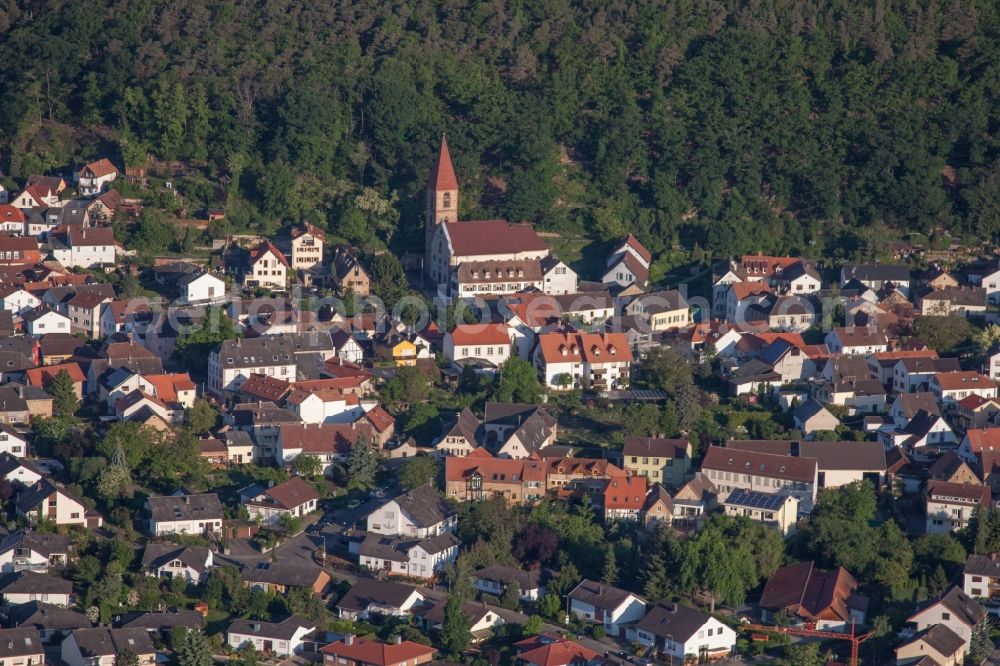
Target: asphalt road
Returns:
[305, 545]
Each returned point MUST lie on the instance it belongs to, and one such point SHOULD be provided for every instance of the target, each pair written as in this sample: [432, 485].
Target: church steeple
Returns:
[442, 207]
[442, 177]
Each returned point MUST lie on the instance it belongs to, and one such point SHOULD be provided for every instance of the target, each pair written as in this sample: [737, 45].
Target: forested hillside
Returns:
[733, 125]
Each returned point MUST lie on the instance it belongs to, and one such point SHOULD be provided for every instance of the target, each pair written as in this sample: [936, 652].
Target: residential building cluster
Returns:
[862, 402]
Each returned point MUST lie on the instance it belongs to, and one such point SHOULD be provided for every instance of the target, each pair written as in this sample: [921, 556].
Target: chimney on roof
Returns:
[397, 639]
[349, 639]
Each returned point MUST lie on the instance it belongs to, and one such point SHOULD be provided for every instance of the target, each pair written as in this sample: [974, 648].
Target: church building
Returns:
[477, 257]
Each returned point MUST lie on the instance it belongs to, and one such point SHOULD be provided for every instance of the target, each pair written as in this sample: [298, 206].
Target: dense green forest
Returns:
[820, 126]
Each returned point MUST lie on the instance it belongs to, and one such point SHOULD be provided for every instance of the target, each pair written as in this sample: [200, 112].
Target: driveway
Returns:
[346, 517]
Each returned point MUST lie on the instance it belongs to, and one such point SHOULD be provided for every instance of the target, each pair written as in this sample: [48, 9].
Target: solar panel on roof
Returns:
[756, 500]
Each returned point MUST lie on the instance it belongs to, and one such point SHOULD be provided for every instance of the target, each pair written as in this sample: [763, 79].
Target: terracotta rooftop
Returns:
[491, 237]
[442, 176]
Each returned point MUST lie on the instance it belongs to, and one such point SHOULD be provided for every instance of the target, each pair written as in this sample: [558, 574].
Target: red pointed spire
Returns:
[443, 174]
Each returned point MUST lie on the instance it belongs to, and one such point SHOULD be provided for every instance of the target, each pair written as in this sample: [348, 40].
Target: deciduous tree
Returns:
[418, 471]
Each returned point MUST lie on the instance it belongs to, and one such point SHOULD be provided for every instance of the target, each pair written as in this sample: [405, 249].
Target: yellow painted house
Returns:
[663, 310]
[398, 349]
[660, 460]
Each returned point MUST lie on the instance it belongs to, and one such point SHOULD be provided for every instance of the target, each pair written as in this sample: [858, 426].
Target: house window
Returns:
[446, 200]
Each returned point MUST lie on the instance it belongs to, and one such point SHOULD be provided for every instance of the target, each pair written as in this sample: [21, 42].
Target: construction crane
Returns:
[855, 639]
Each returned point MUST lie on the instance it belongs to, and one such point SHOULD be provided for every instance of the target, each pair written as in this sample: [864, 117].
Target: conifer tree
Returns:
[64, 399]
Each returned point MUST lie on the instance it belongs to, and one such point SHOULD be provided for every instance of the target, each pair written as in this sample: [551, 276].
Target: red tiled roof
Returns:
[9, 213]
[946, 489]
[323, 438]
[588, 467]
[442, 176]
[39, 191]
[769, 465]
[480, 334]
[308, 229]
[626, 492]
[900, 354]
[808, 592]
[635, 267]
[292, 493]
[167, 385]
[560, 347]
[380, 419]
[759, 264]
[99, 169]
[859, 336]
[559, 653]
[767, 337]
[17, 243]
[338, 368]
[974, 401]
[80, 237]
[963, 379]
[377, 653]
[264, 248]
[130, 350]
[87, 299]
[983, 439]
[535, 310]
[490, 237]
[744, 289]
[494, 470]
[264, 386]
[605, 347]
[120, 308]
[343, 384]
[44, 375]
[592, 347]
[57, 281]
[634, 243]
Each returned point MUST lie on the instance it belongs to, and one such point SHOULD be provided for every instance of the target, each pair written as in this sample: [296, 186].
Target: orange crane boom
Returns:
[855, 639]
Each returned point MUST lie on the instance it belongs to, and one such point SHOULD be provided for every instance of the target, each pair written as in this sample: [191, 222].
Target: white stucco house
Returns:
[201, 288]
[185, 514]
[281, 639]
[679, 631]
[605, 604]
